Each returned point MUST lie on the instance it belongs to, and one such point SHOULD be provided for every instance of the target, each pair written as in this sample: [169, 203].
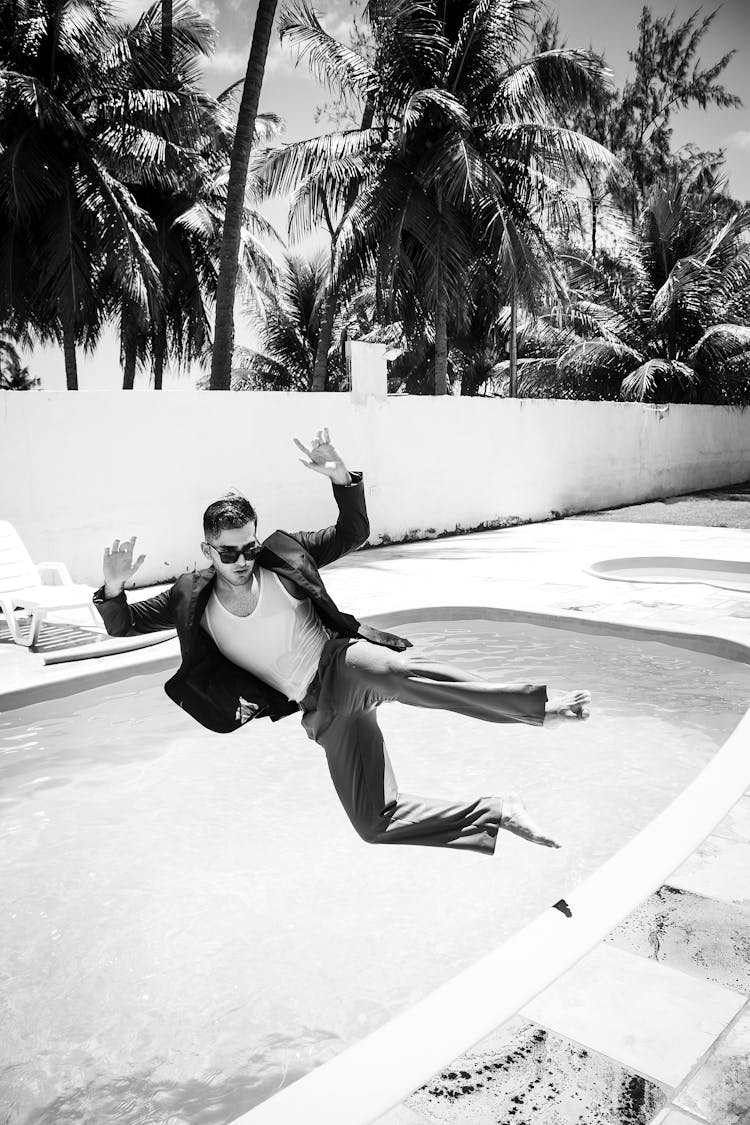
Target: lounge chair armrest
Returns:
[54, 574]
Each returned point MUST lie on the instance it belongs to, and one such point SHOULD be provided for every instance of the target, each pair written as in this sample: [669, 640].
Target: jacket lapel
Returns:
[284, 555]
[292, 564]
[203, 584]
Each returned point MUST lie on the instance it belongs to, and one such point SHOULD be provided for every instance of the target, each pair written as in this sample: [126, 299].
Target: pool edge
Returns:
[85, 675]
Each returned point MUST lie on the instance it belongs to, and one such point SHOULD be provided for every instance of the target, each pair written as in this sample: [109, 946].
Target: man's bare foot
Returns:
[514, 818]
[571, 705]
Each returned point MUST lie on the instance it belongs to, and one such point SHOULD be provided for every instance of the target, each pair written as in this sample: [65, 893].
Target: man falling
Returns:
[261, 637]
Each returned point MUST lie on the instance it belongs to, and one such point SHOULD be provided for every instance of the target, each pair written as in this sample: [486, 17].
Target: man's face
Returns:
[239, 572]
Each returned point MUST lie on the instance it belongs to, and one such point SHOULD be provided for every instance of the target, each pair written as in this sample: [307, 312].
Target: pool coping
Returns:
[532, 568]
[163, 655]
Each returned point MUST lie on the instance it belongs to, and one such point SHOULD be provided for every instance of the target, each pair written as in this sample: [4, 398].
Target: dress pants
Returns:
[340, 714]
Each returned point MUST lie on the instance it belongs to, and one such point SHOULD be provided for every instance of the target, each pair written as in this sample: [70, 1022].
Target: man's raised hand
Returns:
[118, 566]
[323, 457]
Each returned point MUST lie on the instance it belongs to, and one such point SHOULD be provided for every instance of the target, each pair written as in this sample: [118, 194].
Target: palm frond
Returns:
[430, 102]
[334, 65]
[556, 80]
[491, 28]
[553, 141]
[279, 170]
[660, 380]
[720, 344]
[682, 286]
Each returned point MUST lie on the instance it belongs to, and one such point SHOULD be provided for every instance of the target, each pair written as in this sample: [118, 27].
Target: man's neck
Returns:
[244, 595]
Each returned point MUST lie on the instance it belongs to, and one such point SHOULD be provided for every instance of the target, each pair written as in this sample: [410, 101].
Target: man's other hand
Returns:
[118, 566]
[246, 711]
[323, 457]
[378, 637]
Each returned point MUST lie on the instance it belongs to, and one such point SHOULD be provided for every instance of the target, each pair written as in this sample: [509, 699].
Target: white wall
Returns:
[76, 470]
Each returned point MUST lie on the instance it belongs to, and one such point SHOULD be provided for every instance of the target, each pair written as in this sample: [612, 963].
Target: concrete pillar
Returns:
[368, 370]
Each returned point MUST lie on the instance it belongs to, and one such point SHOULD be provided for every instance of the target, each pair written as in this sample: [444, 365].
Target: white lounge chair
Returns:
[39, 589]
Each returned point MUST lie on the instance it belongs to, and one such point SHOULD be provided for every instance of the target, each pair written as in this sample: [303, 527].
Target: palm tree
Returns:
[179, 192]
[667, 319]
[458, 162]
[184, 195]
[66, 218]
[288, 330]
[14, 376]
[221, 365]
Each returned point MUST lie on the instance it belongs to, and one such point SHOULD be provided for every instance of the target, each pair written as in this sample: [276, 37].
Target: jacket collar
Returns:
[203, 581]
[284, 555]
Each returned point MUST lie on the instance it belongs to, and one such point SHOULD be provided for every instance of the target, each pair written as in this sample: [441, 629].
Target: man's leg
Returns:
[377, 672]
[366, 786]
[369, 670]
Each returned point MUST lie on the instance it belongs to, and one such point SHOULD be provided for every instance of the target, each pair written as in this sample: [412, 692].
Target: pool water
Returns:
[189, 921]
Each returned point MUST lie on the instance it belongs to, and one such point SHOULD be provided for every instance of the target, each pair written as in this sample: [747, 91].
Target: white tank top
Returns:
[280, 642]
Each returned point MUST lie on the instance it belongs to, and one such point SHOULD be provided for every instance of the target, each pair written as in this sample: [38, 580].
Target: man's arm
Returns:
[121, 619]
[352, 526]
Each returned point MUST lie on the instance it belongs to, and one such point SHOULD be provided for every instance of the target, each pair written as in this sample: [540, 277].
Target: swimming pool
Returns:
[184, 932]
[725, 573]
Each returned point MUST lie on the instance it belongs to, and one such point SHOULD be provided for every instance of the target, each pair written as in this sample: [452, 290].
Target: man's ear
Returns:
[205, 550]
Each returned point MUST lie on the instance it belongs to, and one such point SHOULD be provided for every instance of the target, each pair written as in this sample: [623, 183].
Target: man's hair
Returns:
[232, 510]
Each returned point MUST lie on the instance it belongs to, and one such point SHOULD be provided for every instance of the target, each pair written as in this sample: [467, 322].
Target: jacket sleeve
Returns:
[124, 620]
[350, 530]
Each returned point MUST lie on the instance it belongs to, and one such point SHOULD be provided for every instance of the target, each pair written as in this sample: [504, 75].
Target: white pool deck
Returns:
[676, 1010]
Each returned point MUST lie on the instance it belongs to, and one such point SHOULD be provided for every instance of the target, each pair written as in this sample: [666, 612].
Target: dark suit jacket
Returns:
[208, 685]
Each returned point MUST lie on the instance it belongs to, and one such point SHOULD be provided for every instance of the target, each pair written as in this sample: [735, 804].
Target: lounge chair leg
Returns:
[35, 625]
[29, 640]
[9, 614]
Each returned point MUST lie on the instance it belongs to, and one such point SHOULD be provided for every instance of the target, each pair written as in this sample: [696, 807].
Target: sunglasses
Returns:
[249, 551]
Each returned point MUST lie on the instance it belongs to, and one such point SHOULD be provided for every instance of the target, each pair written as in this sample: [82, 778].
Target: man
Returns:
[260, 636]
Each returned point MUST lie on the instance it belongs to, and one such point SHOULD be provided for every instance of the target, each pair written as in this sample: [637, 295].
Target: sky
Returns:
[606, 26]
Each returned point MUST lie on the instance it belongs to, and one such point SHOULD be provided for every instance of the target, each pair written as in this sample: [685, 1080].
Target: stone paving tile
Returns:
[523, 1075]
[736, 824]
[652, 1019]
[720, 1091]
[718, 869]
[696, 935]
[401, 1115]
[670, 1116]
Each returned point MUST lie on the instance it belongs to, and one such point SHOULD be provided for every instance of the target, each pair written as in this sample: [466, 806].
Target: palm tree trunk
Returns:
[441, 342]
[328, 315]
[159, 354]
[128, 372]
[166, 33]
[69, 302]
[221, 360]
[594, 210]
[513, 345]
[441, 313]
[325, 333]
[672, 339]
[69, 352]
